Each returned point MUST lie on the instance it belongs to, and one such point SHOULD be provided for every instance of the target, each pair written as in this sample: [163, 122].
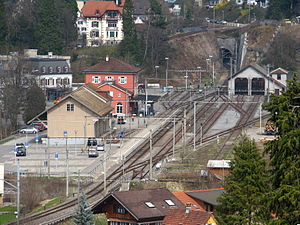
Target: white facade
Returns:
[250, 73]
[262, 4]
[101, 30]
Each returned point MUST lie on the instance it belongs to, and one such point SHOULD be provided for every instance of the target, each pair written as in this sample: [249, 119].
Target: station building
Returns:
[256, 80]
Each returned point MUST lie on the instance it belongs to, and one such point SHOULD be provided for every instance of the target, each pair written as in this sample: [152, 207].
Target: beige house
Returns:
[80, 115]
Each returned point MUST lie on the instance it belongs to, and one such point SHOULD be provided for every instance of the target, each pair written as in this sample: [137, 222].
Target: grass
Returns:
[10, 216]
[49, 204]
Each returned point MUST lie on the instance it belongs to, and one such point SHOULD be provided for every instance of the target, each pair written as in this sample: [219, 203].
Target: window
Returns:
[58, 81]
[83, 28]
[95, 43]
[109, 78]
[95, 24]
[58, 69]
[112, 14]
[119, 108]
[122, 80]
[50, 81]
[278, 76]
[94, 33]
[80, 22]
[170, 202]
[95, 79]
[97, 12]
[66, 81]
[66, 69]
[43, 82]
[43, 69]
[120, 95]
[119, 209]
[111, 23]
[70, 107]
[150, 204]
[111, 34]
[50, 69]
[111, 93]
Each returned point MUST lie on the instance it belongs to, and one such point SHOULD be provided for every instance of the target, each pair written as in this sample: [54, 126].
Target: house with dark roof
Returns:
[81, 114]
[140, 10]
[100, 23]
[256, 80]
[141, 207]
[119, 79]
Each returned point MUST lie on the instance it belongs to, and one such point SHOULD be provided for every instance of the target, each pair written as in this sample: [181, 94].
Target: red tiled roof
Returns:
[279, 71]
[89, 9]
[179, 217]
[185, 199]
[113, 65]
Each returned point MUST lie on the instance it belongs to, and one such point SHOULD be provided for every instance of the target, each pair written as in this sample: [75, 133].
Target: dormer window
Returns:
[278, 76]
[50, 69]
[97, 12]
[109, 78]
[43, 69]
[58, 69]
[66, 69]
[112, 14]
[150, 204]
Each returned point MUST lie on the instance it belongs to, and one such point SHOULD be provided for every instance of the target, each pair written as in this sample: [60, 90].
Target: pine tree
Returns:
[3, 25]
[35, 102]
[285, 155]
[48, 30]
[84, 215]
[130, 45]
[245, 187]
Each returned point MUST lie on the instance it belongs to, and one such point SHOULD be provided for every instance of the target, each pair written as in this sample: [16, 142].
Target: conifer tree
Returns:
[245, 187]
[3, 25]
[48, 32]
[130, 45]
[284, 154]
[84, 215]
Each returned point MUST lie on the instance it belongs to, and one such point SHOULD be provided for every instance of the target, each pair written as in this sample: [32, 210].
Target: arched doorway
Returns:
[119, 108]
[241, 86]
[258, 86]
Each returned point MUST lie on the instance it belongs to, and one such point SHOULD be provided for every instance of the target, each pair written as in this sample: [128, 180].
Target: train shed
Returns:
[256, 80]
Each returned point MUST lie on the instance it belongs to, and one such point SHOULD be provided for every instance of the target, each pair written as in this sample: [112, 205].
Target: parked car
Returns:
[17, 145]
[100, 147]
[29, 130]
[92, 142]
[121, 120]
[93, 153]
[21, 151]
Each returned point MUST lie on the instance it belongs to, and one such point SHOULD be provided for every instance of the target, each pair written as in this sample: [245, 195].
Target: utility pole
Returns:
[260, 119]
[48, 156]
[195, 105]
[78, 186]
[67, 162]
[174, 132]
[201, 133]
[146, 98]
[104, 171]
[18, 191]
[199, 68]
[184, 121]
[268, 66]
[167, 68]
[186, 79]
[151, 162]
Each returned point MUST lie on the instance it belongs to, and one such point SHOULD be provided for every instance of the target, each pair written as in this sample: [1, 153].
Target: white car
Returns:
[29, 130]
[100, 147]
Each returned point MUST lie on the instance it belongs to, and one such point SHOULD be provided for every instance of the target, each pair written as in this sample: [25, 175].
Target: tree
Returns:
[3, 25]
[35, 102]
[49, 34]
[245, 187]
[280, 9]
[84, 215]
[130, 46]
[285, 155]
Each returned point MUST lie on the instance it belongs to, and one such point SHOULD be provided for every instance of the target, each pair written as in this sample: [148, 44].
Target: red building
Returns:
[118, 79]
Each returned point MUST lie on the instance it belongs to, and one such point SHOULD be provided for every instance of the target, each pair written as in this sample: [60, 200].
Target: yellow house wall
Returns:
[60, 120]
[212, 221]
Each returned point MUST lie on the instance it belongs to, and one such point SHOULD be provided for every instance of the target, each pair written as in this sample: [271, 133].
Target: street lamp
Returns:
[156, 68]
[199, 68]
[211, 58]
[67, 162]
[167, 59]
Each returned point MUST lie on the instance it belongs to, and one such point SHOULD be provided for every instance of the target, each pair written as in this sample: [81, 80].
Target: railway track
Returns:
[135, 160]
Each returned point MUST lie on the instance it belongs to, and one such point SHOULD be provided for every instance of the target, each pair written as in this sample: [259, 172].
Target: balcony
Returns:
[112, 29]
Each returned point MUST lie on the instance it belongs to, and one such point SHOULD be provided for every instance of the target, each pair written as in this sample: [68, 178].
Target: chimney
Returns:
[50, 54]
[106, 58]
[187, 208]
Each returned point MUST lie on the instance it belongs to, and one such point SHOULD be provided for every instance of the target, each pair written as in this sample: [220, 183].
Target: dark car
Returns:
[20, 151]
[92, 142]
